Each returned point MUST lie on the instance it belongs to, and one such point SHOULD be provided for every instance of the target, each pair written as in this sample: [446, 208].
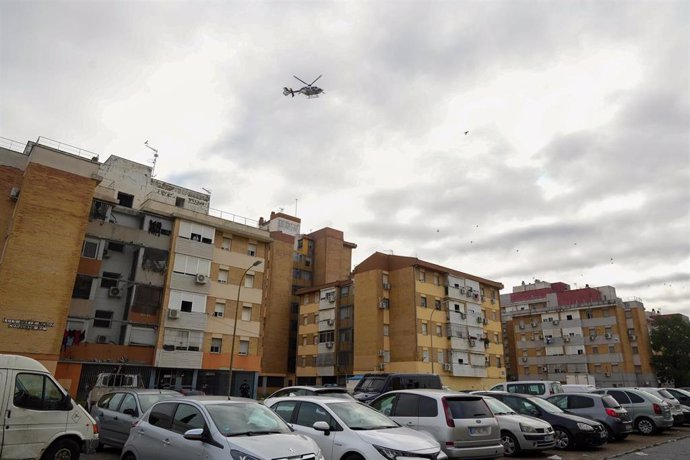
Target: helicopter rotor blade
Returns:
[301, 80]
[310, 84]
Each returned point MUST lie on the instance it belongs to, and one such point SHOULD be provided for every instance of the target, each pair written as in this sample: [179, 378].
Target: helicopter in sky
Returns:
[310, 90]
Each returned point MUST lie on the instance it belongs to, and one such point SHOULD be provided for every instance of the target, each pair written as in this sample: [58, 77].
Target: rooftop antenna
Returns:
[155, 157]
[206, 190]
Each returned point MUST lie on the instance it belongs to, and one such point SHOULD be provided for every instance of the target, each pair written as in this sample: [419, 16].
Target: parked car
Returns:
[676, 410]
[650, 414]
[519, 432]
[540, 388]
[349, 429]
[371, 386]
[683, 396]
[214, 429]
[40, 419]
[115, 412]
[304, 390]
[462, 424]
[108, 382]
[602, 408]
[576, 388]
[569, 430]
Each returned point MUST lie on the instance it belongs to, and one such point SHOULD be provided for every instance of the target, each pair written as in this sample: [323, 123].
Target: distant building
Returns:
[415, 316]
[552, 332]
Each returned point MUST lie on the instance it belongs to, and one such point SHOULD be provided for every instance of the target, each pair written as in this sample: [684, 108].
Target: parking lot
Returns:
[633, 443]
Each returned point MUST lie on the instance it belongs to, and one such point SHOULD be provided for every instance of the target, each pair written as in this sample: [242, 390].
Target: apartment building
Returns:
[325, 335]
[45, 196]
[555, 333]
[322, 256]
[415, 316]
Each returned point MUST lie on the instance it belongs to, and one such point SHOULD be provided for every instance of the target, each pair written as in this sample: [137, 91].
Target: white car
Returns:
[520, 432]
[349, 429]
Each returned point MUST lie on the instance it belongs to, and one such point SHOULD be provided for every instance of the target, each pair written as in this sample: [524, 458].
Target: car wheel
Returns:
[563, 438]
[612, 435]
[353, 457]
[62, 449]
[129, 456]
[510, 444]
[645, 426]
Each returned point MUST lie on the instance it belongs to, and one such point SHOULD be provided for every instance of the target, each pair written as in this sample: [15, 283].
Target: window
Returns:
[181, 339]
[223, 276]
[246, 313]
[437, 280]
[244, 347]
[190, 265]
[592, 331]
[196, 232]
[125, 199]
[437, 304]
[82, 287]
[216, 345]
[440, 356]
[186, 305]
[498, 361]
[595, 350]
[285, 409]
[179, 202]
[249, 281]
[109, 279]
[304, 340]
[344, 291]
[226, 244]
[161, 415]
[187, 417]
[251, 249]
[635, 351]
[633, 397]
[89, 249]
[612, 349]
[129, 404]
[187, 301]
[310, 413]
[422, 276]
[219, 310]
[439, 330]
[36, 392]
[425, 355]
[423, 301]
[102, 318]
[407, 405]
[424, 329]
[386, 330]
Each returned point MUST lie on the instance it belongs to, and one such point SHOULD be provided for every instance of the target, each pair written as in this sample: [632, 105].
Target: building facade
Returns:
[414, 316]
[555, 333]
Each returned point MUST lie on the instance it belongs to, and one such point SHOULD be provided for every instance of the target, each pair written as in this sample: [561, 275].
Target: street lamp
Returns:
[234, 327]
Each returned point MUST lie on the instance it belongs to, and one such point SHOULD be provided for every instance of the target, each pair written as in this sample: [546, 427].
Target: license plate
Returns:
[548, 438]
[479, 430]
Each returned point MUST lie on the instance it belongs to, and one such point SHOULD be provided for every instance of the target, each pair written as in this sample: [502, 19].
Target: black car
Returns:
[570, 430]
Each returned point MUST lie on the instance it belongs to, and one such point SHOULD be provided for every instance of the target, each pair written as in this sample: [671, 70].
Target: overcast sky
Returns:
[576, 167]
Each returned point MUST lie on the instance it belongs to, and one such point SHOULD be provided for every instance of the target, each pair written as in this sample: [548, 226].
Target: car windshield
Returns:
[246, 419]
[371, 384]
[498, 408]
[360, 417]
[146, 401]
[546, 406]
[665, 394]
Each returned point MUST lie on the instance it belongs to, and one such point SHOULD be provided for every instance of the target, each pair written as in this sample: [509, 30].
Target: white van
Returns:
[541, 388]
[577, 388]
[40, 419]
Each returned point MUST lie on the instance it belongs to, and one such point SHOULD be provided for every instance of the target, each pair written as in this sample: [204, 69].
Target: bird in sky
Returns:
[466, 133]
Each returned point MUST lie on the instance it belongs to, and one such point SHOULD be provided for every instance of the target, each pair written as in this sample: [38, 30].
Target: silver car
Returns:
[676, 410]
[463, 424]
[353, 430]
[650, 414]
[215, 429]
[115, 412]
[520, 432]
[602, 408]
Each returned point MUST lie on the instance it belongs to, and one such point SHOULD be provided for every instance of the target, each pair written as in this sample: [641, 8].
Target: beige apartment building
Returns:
[45, 197]
[415, 316]
[555, 333]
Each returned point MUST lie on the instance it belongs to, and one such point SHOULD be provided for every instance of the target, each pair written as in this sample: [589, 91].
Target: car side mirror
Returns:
[322, 426]
[195, 434]
[130, 412]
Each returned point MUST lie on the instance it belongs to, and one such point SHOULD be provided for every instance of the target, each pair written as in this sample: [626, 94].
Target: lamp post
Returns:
[234, 327]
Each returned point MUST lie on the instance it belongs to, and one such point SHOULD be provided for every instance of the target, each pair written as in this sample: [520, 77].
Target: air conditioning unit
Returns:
[174, 314]
[386, 286]
[486, 321]
[592, 338]
[383, 305]
[534, 324]
[545, 369]
[472, 342]
[566, 339]
[522, 326]
[382, 366]
[633, 337]
[14, 193]
[608, 374]
[101, 339]
[382, 352]
[331, 322]
[106, 254]
[114, 292]
[555, 322]
[330, 297]
[469, 293]
[608, 335]
[200, 278]
[447, 367]
[329, 344]
[462, 290]
[480, 320]
[524, 359]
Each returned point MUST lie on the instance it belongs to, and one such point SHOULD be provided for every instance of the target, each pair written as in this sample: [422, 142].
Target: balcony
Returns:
[594, 322]
[466, 370]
